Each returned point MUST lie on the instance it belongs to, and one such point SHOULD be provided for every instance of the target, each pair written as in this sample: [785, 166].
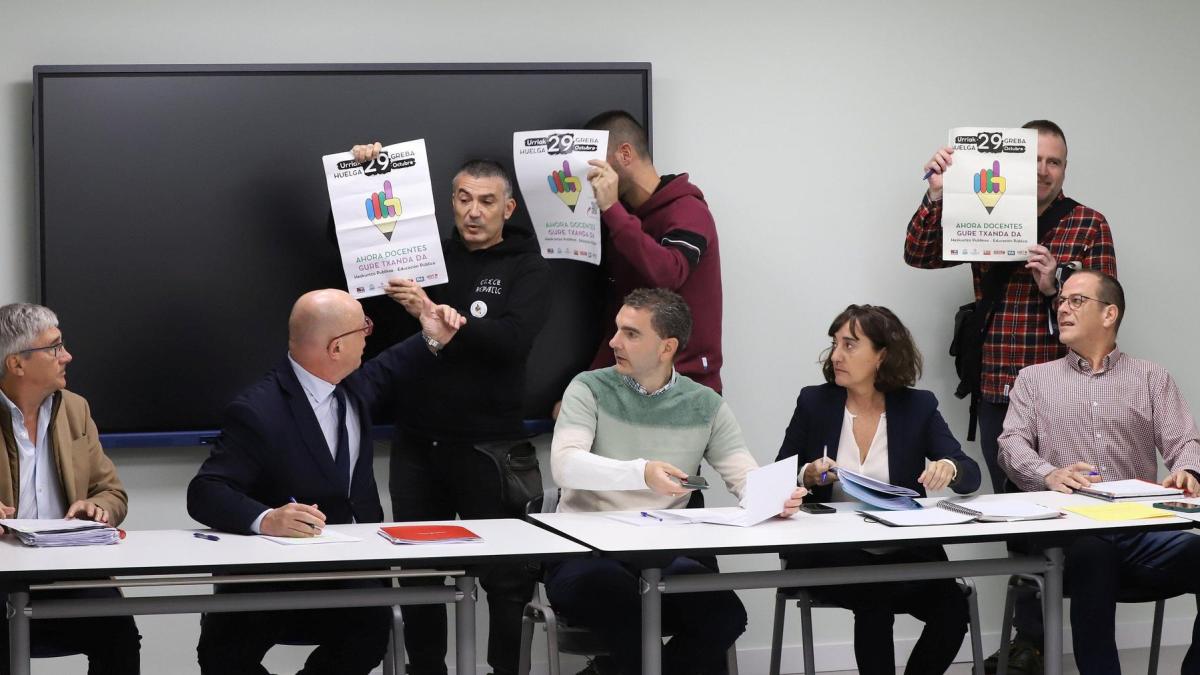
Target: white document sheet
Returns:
[989, 204]
[327, 536]
[767, 488]
[384, 218]
[551, 167]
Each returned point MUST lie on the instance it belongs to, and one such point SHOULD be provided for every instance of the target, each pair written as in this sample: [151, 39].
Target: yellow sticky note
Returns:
[1119, 511]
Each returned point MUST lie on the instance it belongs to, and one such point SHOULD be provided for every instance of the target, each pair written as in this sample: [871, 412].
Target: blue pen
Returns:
[209, 537]
[651, 515]
[928, 174]
[825, 455]
[293, 500]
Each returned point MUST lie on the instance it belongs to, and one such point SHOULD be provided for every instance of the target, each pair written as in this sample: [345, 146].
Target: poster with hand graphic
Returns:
[989, 207]
[384, 218]
[551, 167]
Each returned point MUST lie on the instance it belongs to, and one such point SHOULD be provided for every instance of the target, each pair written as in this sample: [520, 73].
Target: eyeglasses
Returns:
[1076, 301]
[53, 349]
[367, 329]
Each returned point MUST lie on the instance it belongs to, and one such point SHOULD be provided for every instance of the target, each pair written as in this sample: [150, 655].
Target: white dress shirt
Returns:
[874, 465]
[319, 394]
[39, 487]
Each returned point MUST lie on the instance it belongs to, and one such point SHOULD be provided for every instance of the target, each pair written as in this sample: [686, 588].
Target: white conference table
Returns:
[651, 548]
[172, 558]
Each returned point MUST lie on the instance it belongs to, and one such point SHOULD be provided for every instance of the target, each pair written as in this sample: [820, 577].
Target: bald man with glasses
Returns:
[295, 453]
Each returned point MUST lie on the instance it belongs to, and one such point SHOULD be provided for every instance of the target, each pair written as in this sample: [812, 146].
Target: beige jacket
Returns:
[85, 471]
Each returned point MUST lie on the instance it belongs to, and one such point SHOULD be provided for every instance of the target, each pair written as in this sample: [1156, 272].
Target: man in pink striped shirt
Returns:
[1098, 414]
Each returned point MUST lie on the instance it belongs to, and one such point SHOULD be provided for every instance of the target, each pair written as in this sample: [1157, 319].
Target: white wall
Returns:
[806, 123]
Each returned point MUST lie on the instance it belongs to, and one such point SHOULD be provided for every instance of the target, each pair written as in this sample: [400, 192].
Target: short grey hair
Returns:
[484, 168]
[20, 325]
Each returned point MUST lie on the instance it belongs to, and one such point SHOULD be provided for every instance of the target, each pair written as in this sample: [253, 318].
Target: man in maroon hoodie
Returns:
[659, 233]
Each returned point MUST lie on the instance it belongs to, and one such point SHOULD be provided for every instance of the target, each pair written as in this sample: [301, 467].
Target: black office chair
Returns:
[562, 637]
[807, 603]
[1031, 583]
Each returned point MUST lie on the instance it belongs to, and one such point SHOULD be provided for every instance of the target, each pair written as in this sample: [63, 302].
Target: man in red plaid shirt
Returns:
[1022, 330]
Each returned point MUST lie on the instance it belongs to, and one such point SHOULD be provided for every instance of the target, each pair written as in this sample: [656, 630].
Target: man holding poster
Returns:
[384, 217]
[453, 435]
[658, 233]
[1014, 305]
[551, 167]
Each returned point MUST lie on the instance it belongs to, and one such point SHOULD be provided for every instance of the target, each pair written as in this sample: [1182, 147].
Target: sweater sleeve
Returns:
[664, 263]
[572, 462]
[727, 451]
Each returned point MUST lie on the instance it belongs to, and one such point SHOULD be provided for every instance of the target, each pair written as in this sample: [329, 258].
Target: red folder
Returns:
[428, 534]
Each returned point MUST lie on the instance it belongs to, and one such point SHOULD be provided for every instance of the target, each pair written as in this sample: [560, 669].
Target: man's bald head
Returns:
[318, 316]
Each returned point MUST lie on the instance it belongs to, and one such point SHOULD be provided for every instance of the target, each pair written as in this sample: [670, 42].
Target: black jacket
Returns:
[476, 390]
[915, 432]
[271, 448]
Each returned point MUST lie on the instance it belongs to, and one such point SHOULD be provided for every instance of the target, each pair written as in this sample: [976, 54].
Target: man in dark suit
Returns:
[294, 454]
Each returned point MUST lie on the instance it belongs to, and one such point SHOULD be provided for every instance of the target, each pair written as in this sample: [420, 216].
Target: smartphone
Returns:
[695, 483]
[817, 509]
[1184, 507]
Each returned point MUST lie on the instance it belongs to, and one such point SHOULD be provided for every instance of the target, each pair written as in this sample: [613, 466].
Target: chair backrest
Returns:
[547, 502]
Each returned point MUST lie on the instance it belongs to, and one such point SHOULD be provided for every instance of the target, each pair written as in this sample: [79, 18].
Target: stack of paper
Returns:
[61, 532]
[877, 493]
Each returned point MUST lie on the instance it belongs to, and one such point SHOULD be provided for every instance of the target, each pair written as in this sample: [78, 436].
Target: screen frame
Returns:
[42, 73]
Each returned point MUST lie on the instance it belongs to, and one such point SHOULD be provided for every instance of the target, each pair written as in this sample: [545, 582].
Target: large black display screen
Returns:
[182, 209]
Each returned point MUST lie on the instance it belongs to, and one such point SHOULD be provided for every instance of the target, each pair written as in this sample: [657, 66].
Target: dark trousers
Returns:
[111, 643]
[1098, 566]
[991, 423]
[937, 602]
[602, 595]
[349, 641]
[433, 480]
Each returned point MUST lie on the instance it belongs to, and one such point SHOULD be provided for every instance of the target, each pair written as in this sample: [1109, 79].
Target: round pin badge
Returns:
[479, 309]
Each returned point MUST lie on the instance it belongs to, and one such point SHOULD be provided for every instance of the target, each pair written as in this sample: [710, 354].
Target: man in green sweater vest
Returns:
[619, 441]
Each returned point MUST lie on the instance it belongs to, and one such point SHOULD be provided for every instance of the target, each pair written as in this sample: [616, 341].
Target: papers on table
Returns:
[918, 517]
[327, 536]
[652, 518]
[767, 488]
[989, 207]
[384, 218]
[1120, 511]
[959, 511]
[551, 167]
[999, 510]
[1128, 489]
[61, 532]
[877, 493]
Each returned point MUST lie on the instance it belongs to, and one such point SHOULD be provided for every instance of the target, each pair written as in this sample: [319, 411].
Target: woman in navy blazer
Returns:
[893, 431]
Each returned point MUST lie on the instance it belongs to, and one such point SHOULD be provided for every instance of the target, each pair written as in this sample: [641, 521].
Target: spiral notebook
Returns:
[959, 511]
